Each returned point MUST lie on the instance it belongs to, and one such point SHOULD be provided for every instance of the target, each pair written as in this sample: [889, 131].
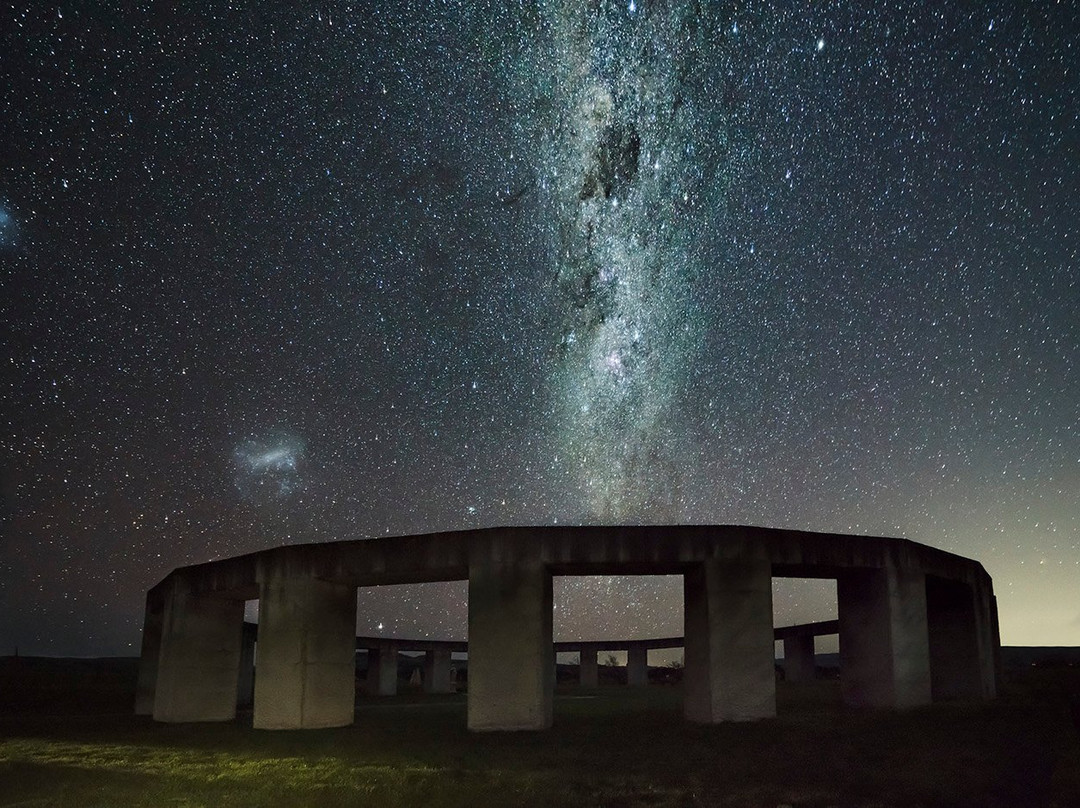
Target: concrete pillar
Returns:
[960, 626]
[146, 685]
[799, 658]
[987, 640]
[588, 670]
[382, 670]
[511, 654]
[371, 677]
[997, 671]
[884, 646]
[306, 655]
[729, 672]
[200, 657]
[637, 665]
[437, 672]
[245, 689]
[954, 651]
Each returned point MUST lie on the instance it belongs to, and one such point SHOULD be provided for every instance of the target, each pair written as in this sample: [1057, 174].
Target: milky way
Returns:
[624, 173]
[290, 275]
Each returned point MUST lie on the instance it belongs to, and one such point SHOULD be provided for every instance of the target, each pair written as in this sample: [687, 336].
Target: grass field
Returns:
[68, 739]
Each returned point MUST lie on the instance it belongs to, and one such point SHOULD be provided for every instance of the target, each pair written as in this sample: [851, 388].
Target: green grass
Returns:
[618, 747]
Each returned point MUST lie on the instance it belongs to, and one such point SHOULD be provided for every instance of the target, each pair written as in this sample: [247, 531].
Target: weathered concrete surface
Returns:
[306, 654]
[884, 644]
[799, 658]
[199, 661]
[819, 629]
[588, 669]
[579, 550]
[511, 655]
[153, 618]
[437, 676]
[729, 672]
[637, 665]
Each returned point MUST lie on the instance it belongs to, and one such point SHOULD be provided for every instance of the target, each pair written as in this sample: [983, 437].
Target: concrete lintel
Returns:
[407, 644]
[582, 550]
[819, 629]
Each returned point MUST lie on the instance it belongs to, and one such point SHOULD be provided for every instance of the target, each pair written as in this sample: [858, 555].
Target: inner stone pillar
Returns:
[245, 689]
[437, 671]
[511, 653]
[371, 677]
[382, 670]
[799, 658]
[200, 657]
[884, 645]
[146, 685]
[637, 665]
[588, 670]
[729, 669]
[306, 655]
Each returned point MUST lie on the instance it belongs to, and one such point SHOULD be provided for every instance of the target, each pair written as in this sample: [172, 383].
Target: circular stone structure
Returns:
[916, 624]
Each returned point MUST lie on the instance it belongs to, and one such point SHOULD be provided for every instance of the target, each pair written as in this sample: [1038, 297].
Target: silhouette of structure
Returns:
[381, 678]
[916, 624]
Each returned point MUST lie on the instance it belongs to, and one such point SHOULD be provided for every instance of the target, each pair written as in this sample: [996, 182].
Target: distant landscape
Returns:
[68, 738]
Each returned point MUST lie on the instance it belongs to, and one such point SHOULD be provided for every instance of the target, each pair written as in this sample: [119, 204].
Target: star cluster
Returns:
[285, 275]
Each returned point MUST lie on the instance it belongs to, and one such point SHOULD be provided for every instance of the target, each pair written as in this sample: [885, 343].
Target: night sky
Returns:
[271, 276]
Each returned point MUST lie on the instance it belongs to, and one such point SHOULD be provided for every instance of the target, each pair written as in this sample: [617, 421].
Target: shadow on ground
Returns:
[77, 744]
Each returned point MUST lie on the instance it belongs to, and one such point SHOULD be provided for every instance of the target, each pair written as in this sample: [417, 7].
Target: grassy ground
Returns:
[609, 747]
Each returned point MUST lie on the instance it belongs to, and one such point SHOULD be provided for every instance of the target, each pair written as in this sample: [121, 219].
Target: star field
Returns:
[272, 276]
